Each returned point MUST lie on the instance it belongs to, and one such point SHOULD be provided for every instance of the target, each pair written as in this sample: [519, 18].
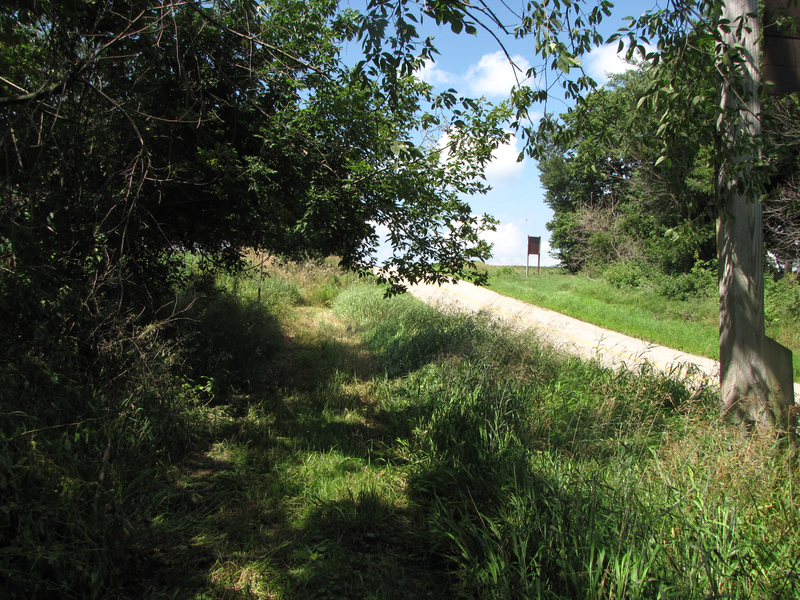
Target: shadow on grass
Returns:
[237, 521]
[229, 528]
[364, 547]
[246, 517]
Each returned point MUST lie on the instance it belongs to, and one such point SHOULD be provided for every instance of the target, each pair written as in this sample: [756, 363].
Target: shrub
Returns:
[92, 413]
[77, 440]
[627, 274]
[226, 340]
[699, 282]
[781, 299]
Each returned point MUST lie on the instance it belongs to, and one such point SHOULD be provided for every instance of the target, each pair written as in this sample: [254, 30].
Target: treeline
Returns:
[627, 189]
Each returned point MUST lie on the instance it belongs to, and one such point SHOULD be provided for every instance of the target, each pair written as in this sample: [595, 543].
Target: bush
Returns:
[781, 299]
[90, 417]
[627, 274]
[700, 282]
[226, 341]
[678, 287]
[79, 444]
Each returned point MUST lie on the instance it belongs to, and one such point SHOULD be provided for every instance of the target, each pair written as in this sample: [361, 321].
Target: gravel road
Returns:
[588, 341]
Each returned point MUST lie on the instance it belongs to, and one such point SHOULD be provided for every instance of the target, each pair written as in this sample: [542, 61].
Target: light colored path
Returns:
[584, 339]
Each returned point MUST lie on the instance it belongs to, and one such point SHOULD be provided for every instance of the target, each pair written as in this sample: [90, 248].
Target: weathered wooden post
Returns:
[755, 371]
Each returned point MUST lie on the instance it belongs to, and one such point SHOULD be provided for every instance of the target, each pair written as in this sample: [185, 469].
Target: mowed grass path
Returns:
[691, 326]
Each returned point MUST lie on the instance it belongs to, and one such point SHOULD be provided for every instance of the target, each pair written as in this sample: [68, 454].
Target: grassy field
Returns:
[690, 325]
[338, 445]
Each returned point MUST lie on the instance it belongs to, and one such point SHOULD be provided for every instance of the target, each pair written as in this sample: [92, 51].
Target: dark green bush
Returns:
[225, 341]
[77, 438]
[628, 274]
[781, 299]
[93, 407]
[698, 283]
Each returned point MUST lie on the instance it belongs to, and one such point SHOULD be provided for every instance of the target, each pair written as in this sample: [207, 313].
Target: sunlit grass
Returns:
[690, 325]
[399, 452]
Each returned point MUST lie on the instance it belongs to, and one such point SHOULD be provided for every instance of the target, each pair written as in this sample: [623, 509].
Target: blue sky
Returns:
[476, 66]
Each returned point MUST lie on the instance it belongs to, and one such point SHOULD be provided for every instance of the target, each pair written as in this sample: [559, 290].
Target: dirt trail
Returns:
[588, 341]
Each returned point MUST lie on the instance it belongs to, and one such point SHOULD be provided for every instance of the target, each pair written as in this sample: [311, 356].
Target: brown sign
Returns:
[534, 243]
[781, 48]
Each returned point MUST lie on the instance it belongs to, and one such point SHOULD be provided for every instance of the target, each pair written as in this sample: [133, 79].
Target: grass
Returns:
[299, 497]
[690, 325]
[381, 449]
[405, 453]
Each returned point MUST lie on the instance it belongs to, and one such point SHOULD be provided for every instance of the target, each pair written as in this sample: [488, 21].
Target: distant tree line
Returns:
[623, 187]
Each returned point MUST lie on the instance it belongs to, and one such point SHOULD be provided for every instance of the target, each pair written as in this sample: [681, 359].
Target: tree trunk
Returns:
[756, 386]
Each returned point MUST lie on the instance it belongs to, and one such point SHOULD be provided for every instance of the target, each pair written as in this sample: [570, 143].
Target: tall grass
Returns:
[382, 449]
[541, 476]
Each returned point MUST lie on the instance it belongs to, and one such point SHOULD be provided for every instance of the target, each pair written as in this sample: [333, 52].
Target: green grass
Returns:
[381, 449]
[690, 325]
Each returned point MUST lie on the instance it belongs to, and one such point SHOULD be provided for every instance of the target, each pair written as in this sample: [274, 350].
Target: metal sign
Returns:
[534, 245]
[781, 49]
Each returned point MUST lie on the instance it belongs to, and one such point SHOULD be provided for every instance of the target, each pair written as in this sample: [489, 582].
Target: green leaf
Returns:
[564, 63]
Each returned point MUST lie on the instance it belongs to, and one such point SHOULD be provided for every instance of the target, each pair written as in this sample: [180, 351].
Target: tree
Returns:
[610, 199]
[135, 132]
[722, 38]
[698, 42]
[781, 208]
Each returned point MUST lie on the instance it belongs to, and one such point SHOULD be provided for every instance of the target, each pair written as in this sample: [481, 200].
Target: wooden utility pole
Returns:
[756, 372]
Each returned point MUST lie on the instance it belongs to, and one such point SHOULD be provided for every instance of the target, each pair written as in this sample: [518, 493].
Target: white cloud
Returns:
[604, 60]
[494, 76]
[430, 73]
[384, 250]
[508, 244]
[511, 243]
[504, 169]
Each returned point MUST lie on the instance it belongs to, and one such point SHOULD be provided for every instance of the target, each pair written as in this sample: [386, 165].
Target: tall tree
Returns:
[610, 199]
[133, 132]
[781, 209]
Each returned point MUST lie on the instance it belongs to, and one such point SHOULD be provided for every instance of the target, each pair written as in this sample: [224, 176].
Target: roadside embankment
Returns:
[584, 339]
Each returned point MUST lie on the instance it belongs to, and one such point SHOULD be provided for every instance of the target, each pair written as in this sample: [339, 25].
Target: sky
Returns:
[475, 66]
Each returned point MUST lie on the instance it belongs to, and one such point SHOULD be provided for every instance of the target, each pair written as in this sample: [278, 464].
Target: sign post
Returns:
[534, 244]
[781, 49]
[755, 371]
